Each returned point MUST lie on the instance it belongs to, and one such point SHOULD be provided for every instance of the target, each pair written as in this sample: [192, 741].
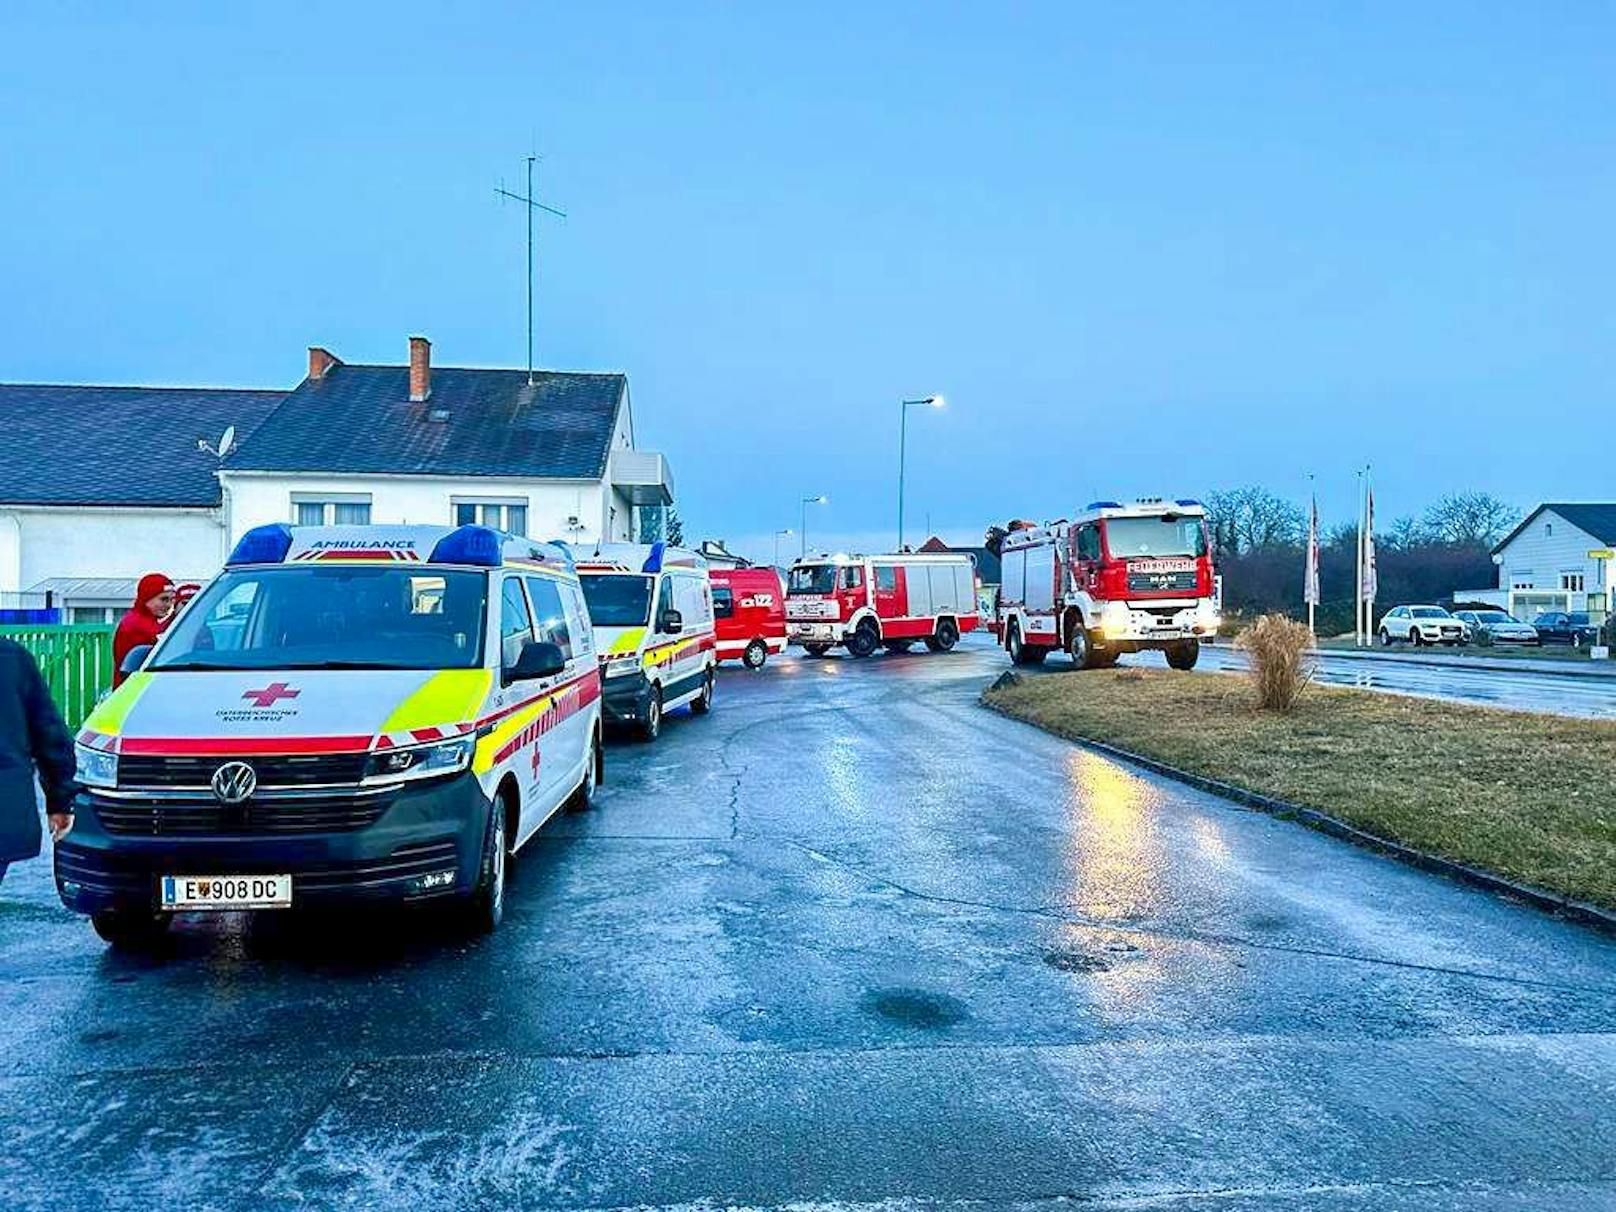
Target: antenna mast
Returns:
[531, 204]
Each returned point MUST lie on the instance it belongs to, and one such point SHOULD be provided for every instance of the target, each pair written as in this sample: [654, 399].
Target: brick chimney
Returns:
[320, 361]
[420, 369]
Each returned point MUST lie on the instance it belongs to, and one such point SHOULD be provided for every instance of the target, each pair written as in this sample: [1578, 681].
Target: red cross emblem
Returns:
[271, 694]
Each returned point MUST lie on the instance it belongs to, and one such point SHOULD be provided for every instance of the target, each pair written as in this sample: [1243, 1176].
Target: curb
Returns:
[1478, 664]
[1551, 902]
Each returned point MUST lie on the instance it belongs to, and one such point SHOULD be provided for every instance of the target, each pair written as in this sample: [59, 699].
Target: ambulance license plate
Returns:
[184, 893]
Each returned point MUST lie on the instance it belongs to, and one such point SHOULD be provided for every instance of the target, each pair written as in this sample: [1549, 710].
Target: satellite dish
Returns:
[227, 441]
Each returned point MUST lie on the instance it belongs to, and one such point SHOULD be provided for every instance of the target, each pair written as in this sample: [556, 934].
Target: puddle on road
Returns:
[916, 1008]
[1076, 961]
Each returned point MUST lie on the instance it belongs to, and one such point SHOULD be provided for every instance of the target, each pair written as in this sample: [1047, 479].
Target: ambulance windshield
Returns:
[1166, 535]
[812, 578]
[617, 599]
[331, 617]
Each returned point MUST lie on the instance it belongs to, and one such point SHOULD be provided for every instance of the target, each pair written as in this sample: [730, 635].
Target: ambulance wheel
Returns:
[583, 799]
[864, 640]
[816, 650]
[1184, 654]
[651, 725]
[130, 929]
[486, 908]
[703, 702]
[947, 636]
[1082, 651]
[757, 652]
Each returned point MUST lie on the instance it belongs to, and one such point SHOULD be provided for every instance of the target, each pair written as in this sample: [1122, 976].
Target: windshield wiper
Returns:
[202, 666]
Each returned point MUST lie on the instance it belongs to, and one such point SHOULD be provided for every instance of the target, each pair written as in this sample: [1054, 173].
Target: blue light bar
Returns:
[478, 545]
[262, 545]
[1103, 505]
[653, 562]
[1186, 501]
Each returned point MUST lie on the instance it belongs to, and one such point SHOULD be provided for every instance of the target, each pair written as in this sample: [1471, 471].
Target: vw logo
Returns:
[234, 782]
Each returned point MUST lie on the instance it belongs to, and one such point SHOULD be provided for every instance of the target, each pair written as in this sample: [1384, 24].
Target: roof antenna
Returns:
[226, 444]
[530, 203]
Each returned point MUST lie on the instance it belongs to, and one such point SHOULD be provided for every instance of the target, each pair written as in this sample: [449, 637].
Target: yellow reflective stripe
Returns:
[482, 761]
[110, 712]
[628, 641]
[449, 696]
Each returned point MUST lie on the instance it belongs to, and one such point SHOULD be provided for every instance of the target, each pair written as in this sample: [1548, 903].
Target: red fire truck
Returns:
[1117, 578]
[750, 606]
[865, 602]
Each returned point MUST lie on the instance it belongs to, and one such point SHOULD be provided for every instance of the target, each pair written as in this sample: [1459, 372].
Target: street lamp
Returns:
[778, 535]
[903, 431]
[821, 499]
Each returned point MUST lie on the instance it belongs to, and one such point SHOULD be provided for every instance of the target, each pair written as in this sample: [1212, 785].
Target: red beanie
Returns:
[152, 584]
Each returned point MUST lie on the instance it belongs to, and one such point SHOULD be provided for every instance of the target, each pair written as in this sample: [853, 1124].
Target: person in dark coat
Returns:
[32, 737]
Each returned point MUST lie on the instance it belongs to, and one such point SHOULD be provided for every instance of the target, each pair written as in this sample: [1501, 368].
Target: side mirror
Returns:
[538, 659]
[134, 659]
[671, 623]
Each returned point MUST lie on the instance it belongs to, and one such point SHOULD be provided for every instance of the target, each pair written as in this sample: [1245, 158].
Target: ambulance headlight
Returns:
[623, 662]
[421, 761]
[95, 767]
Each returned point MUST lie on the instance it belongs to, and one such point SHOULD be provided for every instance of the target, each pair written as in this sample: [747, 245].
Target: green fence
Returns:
[76, 660]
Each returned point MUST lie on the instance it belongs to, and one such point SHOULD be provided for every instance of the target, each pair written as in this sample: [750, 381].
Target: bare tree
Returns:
[1407, 532]
[1252, 518]
[1470, 519]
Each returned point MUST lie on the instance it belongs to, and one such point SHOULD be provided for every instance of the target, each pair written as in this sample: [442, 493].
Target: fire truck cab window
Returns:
[812, 578]
[1158, 536]
[852, 577]
[1088, 543]
[886, 578]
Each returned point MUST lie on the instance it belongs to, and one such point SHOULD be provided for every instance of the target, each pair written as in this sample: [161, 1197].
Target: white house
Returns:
[1561, 557]
[95, 491]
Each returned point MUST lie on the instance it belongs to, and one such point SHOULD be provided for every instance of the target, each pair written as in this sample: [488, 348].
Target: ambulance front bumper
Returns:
[425, 841]
[625, 698]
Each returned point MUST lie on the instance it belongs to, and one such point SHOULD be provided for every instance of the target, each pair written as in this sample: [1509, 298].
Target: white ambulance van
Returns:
[345, 713]
[652, 607]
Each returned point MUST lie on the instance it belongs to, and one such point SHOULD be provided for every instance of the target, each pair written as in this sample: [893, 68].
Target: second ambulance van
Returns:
[345, 713]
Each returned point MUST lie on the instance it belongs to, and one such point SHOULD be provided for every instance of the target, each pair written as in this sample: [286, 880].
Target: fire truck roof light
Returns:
[478, 545]
[653, 562]
[262, 545]
[1103, 505]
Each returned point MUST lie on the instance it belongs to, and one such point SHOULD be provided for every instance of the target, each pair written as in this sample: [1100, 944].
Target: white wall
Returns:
[36, 544]
[255, 500]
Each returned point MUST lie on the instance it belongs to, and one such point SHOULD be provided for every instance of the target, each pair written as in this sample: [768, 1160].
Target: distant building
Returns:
[101, 484]
[1562, 556]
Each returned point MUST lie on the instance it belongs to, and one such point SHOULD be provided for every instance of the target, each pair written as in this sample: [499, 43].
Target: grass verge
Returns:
[1528, 797]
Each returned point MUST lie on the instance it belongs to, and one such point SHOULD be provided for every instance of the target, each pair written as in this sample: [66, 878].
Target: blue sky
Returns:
[1157, 251]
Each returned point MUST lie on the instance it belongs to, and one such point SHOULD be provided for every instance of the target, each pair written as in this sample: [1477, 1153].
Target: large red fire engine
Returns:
[865, 602]
[1117, 578]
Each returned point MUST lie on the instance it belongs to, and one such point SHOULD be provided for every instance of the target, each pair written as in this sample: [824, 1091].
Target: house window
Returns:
[89, 614]
[1574, 581]
[1548, 530]
[509, 515]
[331, 509]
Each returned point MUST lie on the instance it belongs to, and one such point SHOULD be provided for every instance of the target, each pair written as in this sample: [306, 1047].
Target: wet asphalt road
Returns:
[1516, 690]
[851, 939]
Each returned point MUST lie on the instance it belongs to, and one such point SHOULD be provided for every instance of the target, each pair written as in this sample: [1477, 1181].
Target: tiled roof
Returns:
[118, 445]
[359, 420]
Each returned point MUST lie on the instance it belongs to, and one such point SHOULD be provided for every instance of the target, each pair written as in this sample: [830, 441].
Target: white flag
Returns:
[1370, 581]
[1310, 584]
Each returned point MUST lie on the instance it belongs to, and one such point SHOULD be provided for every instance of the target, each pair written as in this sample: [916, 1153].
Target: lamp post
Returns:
[821, 499]
[903, 433]
[778, 535]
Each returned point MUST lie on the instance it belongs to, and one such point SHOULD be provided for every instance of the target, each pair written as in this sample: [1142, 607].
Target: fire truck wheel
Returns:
[703, 702]
[757, 652]
[816, 650]
[651, 725]
[947, 636]
[1184, 654]
[864, 640]
[1082, 651]
[1021, 653]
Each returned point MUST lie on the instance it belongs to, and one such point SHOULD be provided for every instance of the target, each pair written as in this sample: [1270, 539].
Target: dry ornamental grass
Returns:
[1280, 665]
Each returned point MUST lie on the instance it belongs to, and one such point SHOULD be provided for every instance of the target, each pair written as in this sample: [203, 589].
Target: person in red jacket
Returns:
[153, 608]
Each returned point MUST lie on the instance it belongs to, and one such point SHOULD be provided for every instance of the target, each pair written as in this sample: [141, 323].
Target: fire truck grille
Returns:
[1152, 582]
[276, 770]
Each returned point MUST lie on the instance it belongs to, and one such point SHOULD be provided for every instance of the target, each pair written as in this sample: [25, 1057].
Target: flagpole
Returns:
[1357, 583]
[1313, 561]
[1371, 582]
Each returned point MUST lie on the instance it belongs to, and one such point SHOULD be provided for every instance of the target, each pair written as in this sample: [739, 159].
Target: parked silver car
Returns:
[1497, 626]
